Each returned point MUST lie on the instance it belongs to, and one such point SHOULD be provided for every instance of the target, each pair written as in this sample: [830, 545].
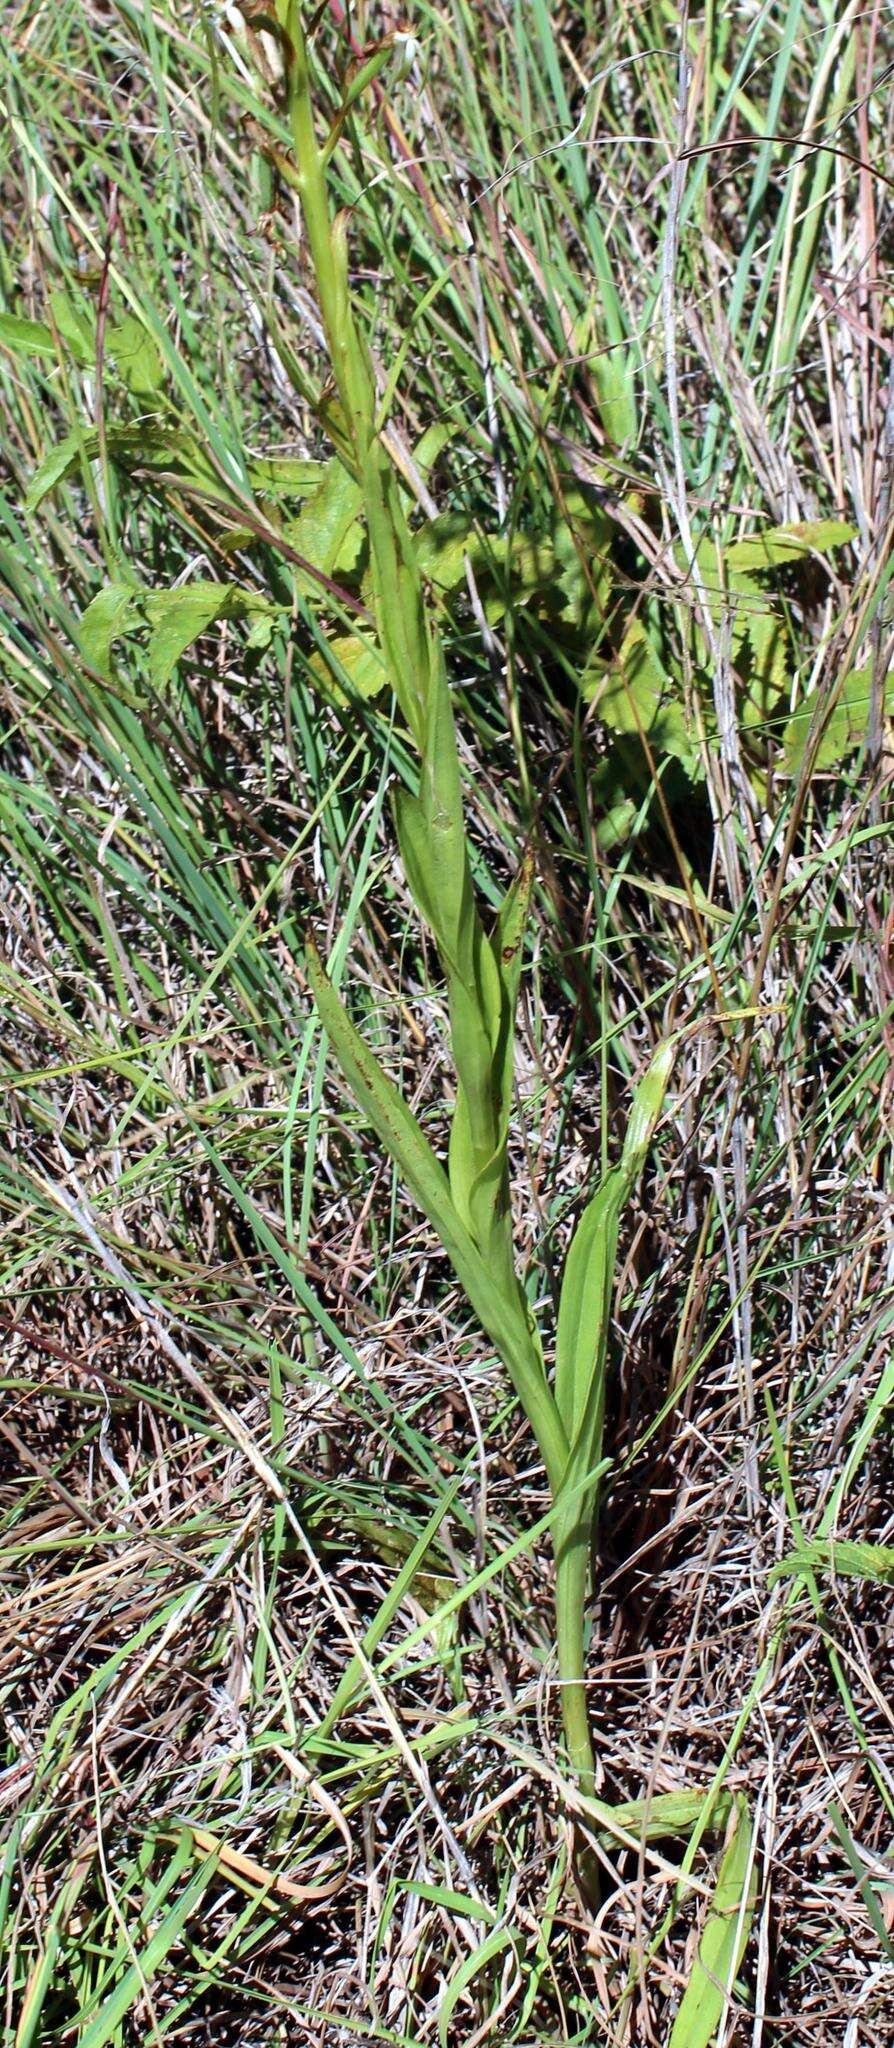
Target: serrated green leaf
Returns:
[724, 1939]
[777, 545]
[328, 532]
[844, 1559]
[634, 693]
[844, 729]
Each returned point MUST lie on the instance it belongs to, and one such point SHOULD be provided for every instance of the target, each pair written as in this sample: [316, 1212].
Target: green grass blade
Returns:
[723, 1941]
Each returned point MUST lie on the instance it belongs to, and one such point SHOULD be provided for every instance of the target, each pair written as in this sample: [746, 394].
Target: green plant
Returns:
[469, 1206]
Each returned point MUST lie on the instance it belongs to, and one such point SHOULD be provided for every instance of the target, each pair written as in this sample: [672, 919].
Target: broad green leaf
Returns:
[844, 1559]
[584, 1304]
[512, 924]
[442, 835]
[482, 995]
[143, 447]
[355, 659]
[582, 536]
[585, 1299]
[760, 644]
[328, 532]
[26, 337]
[633, 693]
[136, 356]
[477, 1156]
[619, 820]
[104, 619]
[57, 464]
[646, 1108]
[128, 343]
[76, 326]
[177, 617]
[844, 729]
[777, 545]
[658, 1818]
[394, 1122]
[431, 445]
[284, 476]
[724, 1938]
[442, 546]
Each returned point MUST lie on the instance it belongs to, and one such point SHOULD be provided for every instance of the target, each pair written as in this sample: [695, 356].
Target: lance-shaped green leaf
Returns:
[433, 842]
[478, 1170]
[433, 846]
[585, 1300]
[501, 1311]
[723, 1941]
[582, 1331]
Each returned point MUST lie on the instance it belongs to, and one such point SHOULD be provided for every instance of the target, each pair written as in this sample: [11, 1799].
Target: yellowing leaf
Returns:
[352, 664]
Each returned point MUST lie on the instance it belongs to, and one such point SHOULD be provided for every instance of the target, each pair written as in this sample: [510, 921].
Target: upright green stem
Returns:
[571, 1540]
[482, 976]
